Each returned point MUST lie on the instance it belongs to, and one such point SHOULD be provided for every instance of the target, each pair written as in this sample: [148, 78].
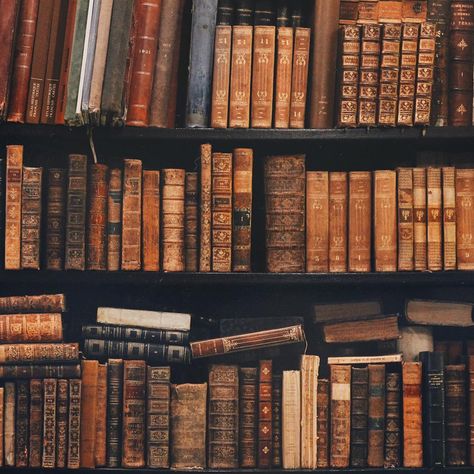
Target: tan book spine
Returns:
[291, 419]
[360, 221]
[323, 423]
[32, 327]
[9, 424]
[61, 423]
[206, 209]
[390, 11]
[74, 423]
[114, 220]
[172, 220]
[414, 11]
[101, 419]
[348, 12]
[89, 376]
[41, 353]
[465, 218]
[191, 222]
[449, 218]
[405, 219]
[419, 218]
[338, 221]
[151, 221]
[2, 401]
[13, 207]
[283, 76]
[434, 209]
[50, 388]
[385, 220]
[368, 12]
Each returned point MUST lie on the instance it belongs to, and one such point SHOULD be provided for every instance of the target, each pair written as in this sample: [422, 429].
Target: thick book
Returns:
[434, 218]
[338, 203]
[405, 219]
[114, 220]
[188, 426]
[33, 304]
[359, 416]
[265, 415]
[191, 213]
[419, 219]
[465, 218]
[291, 419]
[205, 227]
[151, 220]
[322, 445]
[449, 217]
[90, 373]
[74, 424]
[35, 447]
[393, 420]
[346, 311]
[376, 416]
[22, 423]
[55, 219]
[62, 411]
[40, 371]
[100, 449]
[277, 387]
[9, 424]
[40, 353]
[33, 327]
[248, 417]
[439, 313]
[50, 387]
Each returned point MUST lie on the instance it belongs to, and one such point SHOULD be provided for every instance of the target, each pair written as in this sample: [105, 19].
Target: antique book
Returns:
[376, 416]
[277, 387]
[419, 219]
[35, 447]
[14, 172]
[291, 419]
[221, 212]
[114, 219]
[62, 411]
[317, 221]
[439, 313]
[390, 11]
[360, 221]
[131, 215]
[114, 412]
[242, 162]
[55, 219]
[340, 415]
[151, 221]
[101, 417]
[265, 435]
[348, 12]
[309, 368]
[248, 417]
[237, 326]
[393, 420]
[322, 445]
[385, 220]
[173, 207]
[221, 69]
[40, 371]
[89, 378]
[325, 23]
[347, 311]
[338, 204]
[191, 202]
[405, 219]
[2, 416]
[470, 369]
[412, 414]
[11, 354]
[434, 210]
[158, 417]
[452, 351]
[22, 425]
[464, 219]
[9, 424]
[223, 417]
[74, 424]
[359, 416]
[33, 304]
[205, 228]
[50, 387]
[449, 217]
[34, 327]
[378, 359]
[2, 207]
[188, 426]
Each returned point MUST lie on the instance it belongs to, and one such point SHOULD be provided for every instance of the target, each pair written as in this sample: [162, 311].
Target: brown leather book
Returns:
[173, 196]
[97, 217]
[412, 418]
[188, 426]
[392, 420]
[132, 215]
[348, 12]
[323, 423]
[323, 87]
[248, 417]
[414, 11]
[114, 411]
[390, 11]
[50, 388]
[41, 353]
[31, 217]
[405, 219]
[434, 209]
[465, 218]
[360, 221]
[89, 377]
[191, 221]
[242, 209]
[32, 304]
[317, 221]
[376, 416]
[62, 410]
[74, 423]
[134, 410]
[100, 450]
[449, 217]
[31, 328]
[340, 415]
[368, 12]
[22, 423]
[147, 17]
[22, 60]
[277, 387]
[348, 75]
[75, 252]
[151, 221]
[419, 218]
[285, 213]
[385, 220]
[205, 228]
[471, 407]
[114, 219]
[36, 423]
[13, 207]
[359, 418]
[460, 67]
[265, 437]
[55, 219]
[338, 203]
[158, 417]
[9, 424]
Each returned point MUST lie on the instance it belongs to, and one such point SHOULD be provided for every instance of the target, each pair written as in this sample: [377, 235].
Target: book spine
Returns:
[151, 221]
[323, 423]
[61, 423]
[338, 200]
[32, 304]
[100, 449]
[2, 210]
[405, 219]
[173, 208]
[36, 423]
[9, 424]
[434, 209]
[114, 412]
[38, 353]
[55, 219]
[277, 420]
[392, 420]
[265, 436]
[414, 11]
[419, 219]
[283, 76]
[359, 416]
[74, 424]
[390, 11]
[465, 218]
[376, 419]
[348, 12]
[191, 222]
[50, 387]
[90, 373]
[22, 423]
[206, 209]
[39, 371]
[114, 219]
[158, 417]
[449, 217]
[471, 407]
[248, 417]
[291, 419]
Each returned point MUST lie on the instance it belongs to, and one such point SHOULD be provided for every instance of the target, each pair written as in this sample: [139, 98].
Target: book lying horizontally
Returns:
[39, 353]
[353, 310]
[439, 313]
[383, 359]
[40, 371]
[33, 304]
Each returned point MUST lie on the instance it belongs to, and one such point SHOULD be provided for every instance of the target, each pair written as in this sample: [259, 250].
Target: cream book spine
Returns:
[291, 417]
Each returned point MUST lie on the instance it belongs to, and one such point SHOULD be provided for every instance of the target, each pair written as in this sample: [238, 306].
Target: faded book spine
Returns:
[55, 219]
[449, 217]
[9, 424]
[74, 424]
[151, 221]
[191, 203]
[338, 200]
[376, 415]
[31, 328]
[33, 304]
[36, 423]
[419, 219]
[39, 371]
[61, 423]
[49, 422]
[434, 209]
[471, 407]
[22, 425]
[291, 419]
[265, 436]
[277, 420]
[114, 412]
[101, 418]
[11, 354]
[86, 455]
[359, 415]
[465, 218]
[114, 219]
[248, 417]
[392, 420]
[405, 219]
[283, 76]
[205, 209]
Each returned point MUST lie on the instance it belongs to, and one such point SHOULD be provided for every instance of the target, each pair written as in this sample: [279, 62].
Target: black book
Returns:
[225, 12]
[264, 13]
[244, 12]
[359, 415]
[296, 13]
[283, 13]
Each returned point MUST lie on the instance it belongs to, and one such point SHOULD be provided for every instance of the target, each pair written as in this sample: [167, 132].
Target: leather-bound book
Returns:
[471, 407]
[114, 412]
[348, 75]
[172, 219]
[55, 219]
[434, 214]
[460, 68]
[389, 74]
[369, 74]
[277, 387]
[385, 220]
[9, 424]
[50, 388]
[414, 11]
[74, 424]
[2, 209]
[205, 227]
[248, 417]
[222, 58]
[147, 16]
[265, 436]
[323, 88]
[39, 371]
[291, 419]
[223, 417]
[408, 74]
[40, 353]
[376, 418]
[242, 162]
[33, 304]
[348, 12]
[114, 219]
[14, 173]
[132, 215]
[158, 417]
[188, 426]
[31, 328]
[151, 221]
[90, 373]
[405, 219]
[465, 218]
[75, 258]
[101, 417]
[340, 409]
[359, 415]
[449, 217]
[456, 433]
[390, 11]
[241, 65]
[36, 423]
[2, 416]
[22, 425]
[338, 203]
[61, 423]
[360, 221]
[412, 415]
[433, 409]
[317, 221]
[419, 219]
[191, 221]
[393, 420]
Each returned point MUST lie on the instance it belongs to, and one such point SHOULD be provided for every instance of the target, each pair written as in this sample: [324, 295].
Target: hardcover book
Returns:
[405, 219]
[359, 416]
[322, 445]
[49, 423]
[86, 444]
[22, 424]
[31, 328]
[265, 436]
[376, 418]
[114, 412]
[449, 217]
[62, 410]
[205, 228]
[114, 219]
[338, 200]
[291, 419]
[393, 420]
[465, 218]
[151, 221]
[191, 222]
[74, 424]
[36, 423]
[248, 417]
